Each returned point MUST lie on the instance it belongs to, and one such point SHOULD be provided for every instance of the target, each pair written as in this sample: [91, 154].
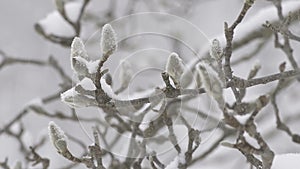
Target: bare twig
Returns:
[37, 159]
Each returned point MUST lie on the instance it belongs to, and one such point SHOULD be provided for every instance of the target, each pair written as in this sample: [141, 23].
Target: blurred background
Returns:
[22, 83]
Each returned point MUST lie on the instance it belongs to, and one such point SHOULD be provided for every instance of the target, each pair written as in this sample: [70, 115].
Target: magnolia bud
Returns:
[79, 57]
[78, 49]
[211, 83]
[61, 145]
[75, 99]
[108, 40]
[175, 68]
[57, 137]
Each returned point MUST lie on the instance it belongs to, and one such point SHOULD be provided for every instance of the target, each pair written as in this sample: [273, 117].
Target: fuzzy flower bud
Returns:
[211, 83]
[216, 50]
[108, 40]
[79, 57]
[175, 67]
[78, 49]
[57, 137]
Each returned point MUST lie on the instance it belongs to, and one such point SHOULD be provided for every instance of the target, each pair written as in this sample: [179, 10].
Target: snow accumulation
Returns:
[87, 84]
[107, 88]
[35, 102]
[179, 159]
[92, 66]
[174, 66]
[68, 94]
[73, 10]
[83, 64]
[16, 127]
[55, 24]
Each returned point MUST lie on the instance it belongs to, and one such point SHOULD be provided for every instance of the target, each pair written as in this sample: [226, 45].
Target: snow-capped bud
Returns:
[211, 83]
[75, 99]
[216, 50]
[57, 137]
[108, 41]
[87, 84]
[60, 6]
[79, 57]
[175, 68]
